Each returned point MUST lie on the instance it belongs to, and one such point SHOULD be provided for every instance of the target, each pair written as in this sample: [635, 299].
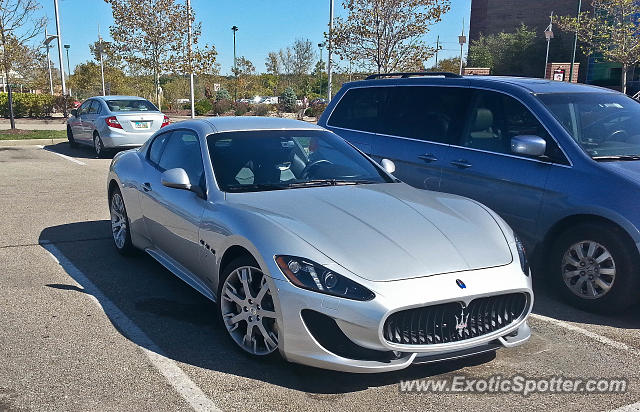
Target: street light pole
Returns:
[329, 74]
[64, 86]
[462, 39]
[193, 109]
[235, 67]
[321, 46]
[104, 92]
[67, 47]
[575, 43]
[548, 34]
[48, 46]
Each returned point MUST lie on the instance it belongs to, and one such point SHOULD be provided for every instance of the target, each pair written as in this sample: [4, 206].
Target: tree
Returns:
[18, 25]
[245, 72]
[513, 54]
[286, 62]
[155, 42]
[289, 100]
[387, 35]
[86, 80]
[273, 63]
[610, 29]
[451, 65]
[303, 55]
[110, 56]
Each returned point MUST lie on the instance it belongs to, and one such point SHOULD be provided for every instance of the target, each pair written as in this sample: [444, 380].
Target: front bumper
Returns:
[361, 322]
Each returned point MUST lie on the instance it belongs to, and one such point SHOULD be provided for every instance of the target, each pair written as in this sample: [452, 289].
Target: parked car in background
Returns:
[312, 249]
[559, 162]
[114, 122]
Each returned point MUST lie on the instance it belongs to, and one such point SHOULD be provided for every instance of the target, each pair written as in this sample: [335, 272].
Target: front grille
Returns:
[453, 322]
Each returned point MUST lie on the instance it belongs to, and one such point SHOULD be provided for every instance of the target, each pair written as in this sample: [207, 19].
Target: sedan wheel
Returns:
[247, 310]
[588, 269]
[72, 140]
[98, 147]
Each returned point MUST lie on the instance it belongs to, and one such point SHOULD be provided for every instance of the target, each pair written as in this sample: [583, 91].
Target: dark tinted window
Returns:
[360, 109]
[427, 113]
[496, 118]
[155, 151]
[183, 150]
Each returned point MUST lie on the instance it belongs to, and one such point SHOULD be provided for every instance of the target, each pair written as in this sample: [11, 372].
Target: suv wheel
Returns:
[595, 267]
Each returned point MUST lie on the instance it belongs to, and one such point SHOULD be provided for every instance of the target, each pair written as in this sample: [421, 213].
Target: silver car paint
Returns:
[85, 125]
[465, 234]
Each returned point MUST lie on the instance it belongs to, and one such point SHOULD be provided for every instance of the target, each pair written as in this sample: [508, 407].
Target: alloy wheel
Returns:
[97, 145]
[118, 220]
[248, 311]
[588, 269]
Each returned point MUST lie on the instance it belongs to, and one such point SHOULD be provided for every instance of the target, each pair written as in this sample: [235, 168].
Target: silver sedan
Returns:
[114, 122]
[313, 251]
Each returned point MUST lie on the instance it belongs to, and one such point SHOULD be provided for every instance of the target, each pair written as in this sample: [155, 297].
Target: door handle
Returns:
[462, 164]
[428, 157]
[146, 187]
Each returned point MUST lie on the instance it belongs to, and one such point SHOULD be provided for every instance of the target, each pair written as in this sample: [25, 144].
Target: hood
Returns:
[627, 169]
[386, 232]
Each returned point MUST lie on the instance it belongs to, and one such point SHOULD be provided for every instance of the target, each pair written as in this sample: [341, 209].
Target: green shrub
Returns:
[202, 107]
[262, 109]
[288, 100]
[241, 109]
[315, 110]
[223, 94]
[222, 106]
[28, 104]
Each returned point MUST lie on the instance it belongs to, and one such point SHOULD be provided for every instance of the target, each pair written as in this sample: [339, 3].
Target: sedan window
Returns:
[131, 105]
[272, 160]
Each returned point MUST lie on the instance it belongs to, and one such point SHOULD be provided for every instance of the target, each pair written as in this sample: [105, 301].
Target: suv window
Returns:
[183, 150]
[429, 113]
[155, 151]
[496, 118]
[360, 109]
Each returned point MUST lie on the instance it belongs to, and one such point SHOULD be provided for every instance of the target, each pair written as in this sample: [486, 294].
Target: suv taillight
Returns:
[165, 121]
[113, 122]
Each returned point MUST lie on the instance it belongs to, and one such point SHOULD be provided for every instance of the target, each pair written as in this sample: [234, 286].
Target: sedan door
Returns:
[89, 119]
[483, 167]
[76, 126]
[172, 216]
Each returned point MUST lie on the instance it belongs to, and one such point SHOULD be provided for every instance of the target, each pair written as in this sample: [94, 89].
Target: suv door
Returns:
[172, 216]
[482, 166]
[418, 124]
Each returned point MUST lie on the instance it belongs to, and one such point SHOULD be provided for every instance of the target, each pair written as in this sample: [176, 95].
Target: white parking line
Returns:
[602, 339]
[176, 377]
[629, 408]
[69, 158]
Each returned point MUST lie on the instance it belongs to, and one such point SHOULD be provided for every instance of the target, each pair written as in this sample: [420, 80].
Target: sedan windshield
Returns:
[131, 105]
[605, 125]
[251, 161]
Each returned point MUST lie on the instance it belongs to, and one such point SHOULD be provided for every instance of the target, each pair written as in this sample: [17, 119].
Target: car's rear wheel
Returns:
[120, 228]
[247, 307]
[595, 267]
[98, 146]
[72, 140]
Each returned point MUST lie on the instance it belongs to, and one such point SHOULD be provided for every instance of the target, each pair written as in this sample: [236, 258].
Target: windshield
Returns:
[131, 105]
[272, 160]
[605, 125]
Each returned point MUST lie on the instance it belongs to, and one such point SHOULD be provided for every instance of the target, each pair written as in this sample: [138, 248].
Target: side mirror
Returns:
[388, 166]
[528, 145]
[74, 112]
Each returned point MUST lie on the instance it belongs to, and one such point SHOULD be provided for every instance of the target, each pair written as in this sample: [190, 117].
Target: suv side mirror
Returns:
[178, 179]
[388, 166]
[528, 145]
[74, 112]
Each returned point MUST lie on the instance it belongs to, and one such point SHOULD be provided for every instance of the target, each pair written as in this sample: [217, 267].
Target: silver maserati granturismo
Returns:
[312, 250]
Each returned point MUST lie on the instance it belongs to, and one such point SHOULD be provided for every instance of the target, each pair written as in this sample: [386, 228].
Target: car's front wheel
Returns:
[120, 229]
[247, 307]
[595, 267]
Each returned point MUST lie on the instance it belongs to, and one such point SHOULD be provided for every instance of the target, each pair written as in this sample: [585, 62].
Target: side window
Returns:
[155, 151]
[85, 107]
[496, 118]
[93, 109]
[183, 150]
[360, 109]
[428, 113]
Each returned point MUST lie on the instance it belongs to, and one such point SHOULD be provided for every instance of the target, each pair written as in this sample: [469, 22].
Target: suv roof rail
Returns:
[414, 74]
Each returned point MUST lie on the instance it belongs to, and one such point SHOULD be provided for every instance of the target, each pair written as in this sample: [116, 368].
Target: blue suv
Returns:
[559, 162]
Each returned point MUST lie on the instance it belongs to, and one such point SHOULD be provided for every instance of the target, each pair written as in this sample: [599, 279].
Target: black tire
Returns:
[239, 262]
[625, 261]
[98, 146]
[124, 248]
[72, 141]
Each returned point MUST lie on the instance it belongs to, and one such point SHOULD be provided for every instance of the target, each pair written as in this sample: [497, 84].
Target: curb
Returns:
[31, 142]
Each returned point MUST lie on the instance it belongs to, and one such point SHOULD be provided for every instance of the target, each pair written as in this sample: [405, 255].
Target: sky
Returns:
[264, 26]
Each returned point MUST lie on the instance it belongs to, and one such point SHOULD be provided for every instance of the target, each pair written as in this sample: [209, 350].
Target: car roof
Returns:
[238, 123]
[532, 85]
[119, 98]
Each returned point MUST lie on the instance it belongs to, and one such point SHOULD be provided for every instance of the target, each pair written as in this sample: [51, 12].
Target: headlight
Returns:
[524, 264]
[309, 275]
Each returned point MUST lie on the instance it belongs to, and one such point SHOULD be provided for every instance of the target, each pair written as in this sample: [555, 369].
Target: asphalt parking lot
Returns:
[83, 328]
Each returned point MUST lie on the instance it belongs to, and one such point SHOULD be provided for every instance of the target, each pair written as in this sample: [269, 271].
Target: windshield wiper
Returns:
[330, 182]
[616, 157]
[255, 187]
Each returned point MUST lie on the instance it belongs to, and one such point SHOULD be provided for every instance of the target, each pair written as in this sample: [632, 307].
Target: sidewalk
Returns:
[35, 124]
